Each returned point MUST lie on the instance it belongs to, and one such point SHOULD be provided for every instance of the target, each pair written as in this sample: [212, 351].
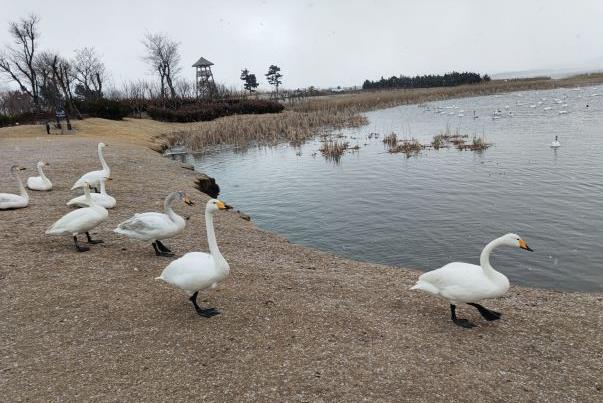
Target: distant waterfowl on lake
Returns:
[40, 182]
[13, 201]
[102, 198]
[80, 221]
[93, 177]
[155, 227]
[198, 271]
[468, 283]
[556, 143]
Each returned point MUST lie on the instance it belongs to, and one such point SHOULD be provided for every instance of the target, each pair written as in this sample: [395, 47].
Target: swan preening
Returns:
[102, 198]
[93, 178]
[39, 182]
[80, 221]
[13, 201]
[198, 271]
[156, 226]
[556, 143]
[468, 283]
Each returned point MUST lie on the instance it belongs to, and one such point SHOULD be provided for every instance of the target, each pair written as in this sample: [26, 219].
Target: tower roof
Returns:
[202, 62]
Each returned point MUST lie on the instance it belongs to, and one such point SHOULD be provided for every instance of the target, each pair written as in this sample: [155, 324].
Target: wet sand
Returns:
[296, 324]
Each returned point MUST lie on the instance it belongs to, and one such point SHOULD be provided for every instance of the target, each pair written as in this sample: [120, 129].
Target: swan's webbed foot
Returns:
[93, 241]
[79, 247]
[206, 313]
[486, 313]
[162, 247]
[459, 322]
[162, 252]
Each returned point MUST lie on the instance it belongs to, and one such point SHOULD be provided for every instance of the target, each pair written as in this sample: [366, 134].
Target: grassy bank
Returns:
[307, 118]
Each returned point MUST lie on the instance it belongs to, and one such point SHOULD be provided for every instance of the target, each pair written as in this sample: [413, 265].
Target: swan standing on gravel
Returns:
[156, 226]
[468, 283]
[12, 201]
[102, 198]
[197, 271]
[39, 182]
[80, 221]
[93, 177]
[556, 143]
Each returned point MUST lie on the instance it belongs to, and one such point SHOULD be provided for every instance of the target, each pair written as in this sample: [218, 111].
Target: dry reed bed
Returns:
[308, 118]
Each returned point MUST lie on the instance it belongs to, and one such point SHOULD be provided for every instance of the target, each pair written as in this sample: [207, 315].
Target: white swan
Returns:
[39, 182]
[468, 283]
[156, 226]
[80, 221]
[93, 177]
[12, 201]
[556, 143]
[102, 198]
[197, 271]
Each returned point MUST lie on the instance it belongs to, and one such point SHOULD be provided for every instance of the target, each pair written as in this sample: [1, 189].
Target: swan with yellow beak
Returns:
[464, 283]
[198, 271]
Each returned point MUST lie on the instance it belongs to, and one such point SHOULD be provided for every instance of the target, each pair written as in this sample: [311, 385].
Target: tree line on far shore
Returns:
[426, 81]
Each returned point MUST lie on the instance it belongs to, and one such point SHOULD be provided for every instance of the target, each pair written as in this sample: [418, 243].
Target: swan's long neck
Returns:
[87, 196]
[103, 191]
[484, 258]
[213, 244]
[41, 172]
[22, 190]
[167, 206]
[103, 162]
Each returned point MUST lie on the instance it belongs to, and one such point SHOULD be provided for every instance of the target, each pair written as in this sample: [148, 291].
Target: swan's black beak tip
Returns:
[227, 206]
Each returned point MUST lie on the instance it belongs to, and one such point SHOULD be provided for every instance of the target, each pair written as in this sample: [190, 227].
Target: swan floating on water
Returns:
[93, 177]
[102, 198]
[80, 221]
[198, 271]
[14, 201]
[39, 182]
[556, 143]
[156, 226]
[468, 283]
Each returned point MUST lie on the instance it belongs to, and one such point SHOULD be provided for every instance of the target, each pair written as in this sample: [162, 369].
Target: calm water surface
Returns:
[442, 206]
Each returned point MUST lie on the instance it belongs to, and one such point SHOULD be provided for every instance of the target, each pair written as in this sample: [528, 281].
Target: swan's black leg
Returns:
[78, 246]
[206, 313]
[160, 252]
[162, 247]
[459, 322]
[485, 312]
[93, 241]
[95, 189]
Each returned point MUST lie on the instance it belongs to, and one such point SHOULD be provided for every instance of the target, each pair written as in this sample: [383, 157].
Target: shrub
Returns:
[23, 118]
[103, 108]
[204, 111]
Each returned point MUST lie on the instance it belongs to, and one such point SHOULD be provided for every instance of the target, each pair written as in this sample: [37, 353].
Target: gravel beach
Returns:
[296, 324]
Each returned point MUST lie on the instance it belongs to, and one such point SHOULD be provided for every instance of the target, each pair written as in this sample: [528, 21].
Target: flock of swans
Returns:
[458, 283]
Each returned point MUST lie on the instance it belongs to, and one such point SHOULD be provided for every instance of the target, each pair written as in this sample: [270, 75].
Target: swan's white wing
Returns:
[105, 201]
[92, 178]
[146, 226]
[37, 183]
[459, 282]
[192, 272]
[77, 221]
[10, 198]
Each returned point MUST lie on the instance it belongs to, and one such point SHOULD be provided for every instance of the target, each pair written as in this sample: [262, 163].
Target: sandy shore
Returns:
[296, 324]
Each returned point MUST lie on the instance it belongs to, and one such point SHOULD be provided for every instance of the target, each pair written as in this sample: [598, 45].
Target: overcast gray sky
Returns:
[326, 43]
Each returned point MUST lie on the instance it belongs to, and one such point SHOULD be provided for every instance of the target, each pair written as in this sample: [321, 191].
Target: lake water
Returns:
[443, 205]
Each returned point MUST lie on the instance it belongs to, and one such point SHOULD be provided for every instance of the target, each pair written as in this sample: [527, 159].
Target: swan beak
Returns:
[21, 168]
[109, 178]
[46, 163]
[523, 245]
[223, 206]
[188, 201]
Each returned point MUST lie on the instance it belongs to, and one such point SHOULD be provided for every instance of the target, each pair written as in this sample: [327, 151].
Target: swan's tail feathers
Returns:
[425, 286]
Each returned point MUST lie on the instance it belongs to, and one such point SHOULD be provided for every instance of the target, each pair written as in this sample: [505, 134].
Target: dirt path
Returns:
[296, 324]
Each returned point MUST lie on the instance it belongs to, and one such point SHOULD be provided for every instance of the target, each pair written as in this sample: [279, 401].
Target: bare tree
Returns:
[89, 73]
[163, 55]
[185, 88]
[19, 63]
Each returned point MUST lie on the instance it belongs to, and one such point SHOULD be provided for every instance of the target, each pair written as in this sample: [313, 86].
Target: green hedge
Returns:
[204, 111]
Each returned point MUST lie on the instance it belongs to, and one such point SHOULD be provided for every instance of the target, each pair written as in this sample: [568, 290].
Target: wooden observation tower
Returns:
[204, 79]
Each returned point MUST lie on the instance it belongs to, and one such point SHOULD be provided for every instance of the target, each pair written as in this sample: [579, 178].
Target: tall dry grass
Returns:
[307, 118]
